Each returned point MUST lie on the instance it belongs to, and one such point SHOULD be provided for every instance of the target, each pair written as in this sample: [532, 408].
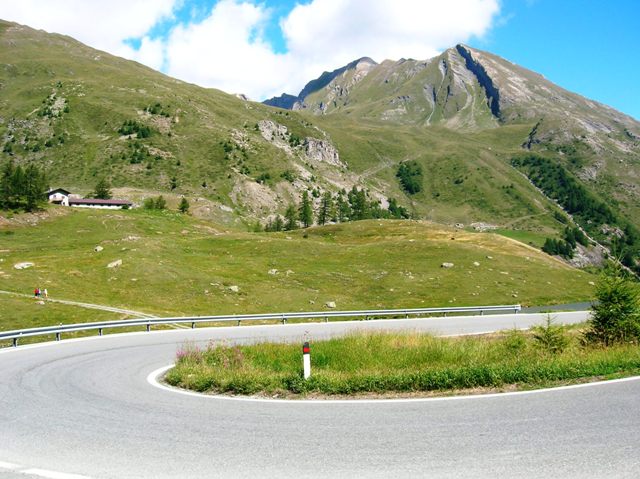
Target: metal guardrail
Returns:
[281, 317]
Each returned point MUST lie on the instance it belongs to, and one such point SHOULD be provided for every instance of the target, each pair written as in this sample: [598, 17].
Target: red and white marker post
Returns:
[306, 359]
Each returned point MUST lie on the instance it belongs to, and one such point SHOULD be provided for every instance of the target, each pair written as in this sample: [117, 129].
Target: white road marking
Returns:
[52, 474]
[32, 471]
[9, 465]
[152, 379]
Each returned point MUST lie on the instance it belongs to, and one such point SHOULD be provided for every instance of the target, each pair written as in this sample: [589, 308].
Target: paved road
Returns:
[84, 407]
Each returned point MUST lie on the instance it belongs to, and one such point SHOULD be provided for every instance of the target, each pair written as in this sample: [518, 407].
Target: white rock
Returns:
[24, 265]
[273, 272]
[489, 257]
[330, 304]
[98, 248]
[234, 289]
[115, 264]
[446, 265]
[475, 263]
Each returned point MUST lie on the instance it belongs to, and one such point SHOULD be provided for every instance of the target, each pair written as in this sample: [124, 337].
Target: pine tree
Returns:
[306, 212]
[359, 205]
[160, 203]
[102, 190]
[7, 189]
[35, 185]
[616, 313]
[184, 205]
[291, 218]
[343, 209]
[22, 188]
[326, 207]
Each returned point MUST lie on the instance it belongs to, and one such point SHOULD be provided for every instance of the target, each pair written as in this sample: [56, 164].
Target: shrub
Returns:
[616, 312]
[550, 337]
[410, 175]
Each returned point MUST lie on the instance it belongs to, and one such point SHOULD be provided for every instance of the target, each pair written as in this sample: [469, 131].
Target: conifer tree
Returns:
[326, 207]
[291, 218]
[184, 205]
[102, 190]
[306, 212]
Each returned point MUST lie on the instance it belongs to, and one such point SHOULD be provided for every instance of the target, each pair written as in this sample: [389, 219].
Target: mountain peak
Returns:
[287, 101]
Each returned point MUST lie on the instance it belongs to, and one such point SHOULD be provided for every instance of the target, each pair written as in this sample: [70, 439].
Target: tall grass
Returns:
[379, 363]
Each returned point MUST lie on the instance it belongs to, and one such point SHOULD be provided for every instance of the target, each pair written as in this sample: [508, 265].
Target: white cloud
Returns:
[342, 31]
[226, 50]
[98, 23]
[229, 50]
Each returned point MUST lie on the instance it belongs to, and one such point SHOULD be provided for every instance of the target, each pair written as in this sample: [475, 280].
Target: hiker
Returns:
[36, 293]
[45, 293]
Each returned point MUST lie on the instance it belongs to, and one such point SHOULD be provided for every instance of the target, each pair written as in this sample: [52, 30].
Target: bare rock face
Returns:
[322, 151]
[272, 131]
[592, 256]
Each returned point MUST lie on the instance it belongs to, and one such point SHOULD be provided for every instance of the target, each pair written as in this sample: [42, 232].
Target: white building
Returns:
[60, 196]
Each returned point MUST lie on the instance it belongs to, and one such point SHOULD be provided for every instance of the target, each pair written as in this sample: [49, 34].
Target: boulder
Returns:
[234, 289]
[273, 272]
[446, 265]
[98, 248]
[24, 265]
[475, 263]
[115, 264]
[330, 304]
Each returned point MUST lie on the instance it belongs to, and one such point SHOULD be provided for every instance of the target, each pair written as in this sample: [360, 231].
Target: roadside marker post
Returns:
[306, 359]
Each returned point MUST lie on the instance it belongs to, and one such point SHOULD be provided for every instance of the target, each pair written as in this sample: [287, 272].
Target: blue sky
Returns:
[266, 47]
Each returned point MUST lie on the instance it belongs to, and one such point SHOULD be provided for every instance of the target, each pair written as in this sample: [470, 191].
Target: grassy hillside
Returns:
[173, 264]
[79, 112]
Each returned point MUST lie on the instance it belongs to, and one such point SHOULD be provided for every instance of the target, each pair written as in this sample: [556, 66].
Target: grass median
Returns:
[402, 364]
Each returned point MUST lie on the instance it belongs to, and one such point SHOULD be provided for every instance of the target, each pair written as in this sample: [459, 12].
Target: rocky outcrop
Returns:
[492, 92]
[311, 149]
[272, 131]
[322, 151]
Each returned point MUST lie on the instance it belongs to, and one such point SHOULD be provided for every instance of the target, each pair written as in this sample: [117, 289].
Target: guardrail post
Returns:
[326, 319]
[193, 325]
[284, 320]
[57, 336]
[239, 322]
[482, 312]
[15, 342]
[99, 331]
[148, 327]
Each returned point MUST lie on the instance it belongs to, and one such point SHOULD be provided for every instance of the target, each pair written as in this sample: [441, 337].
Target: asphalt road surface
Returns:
[84, 408]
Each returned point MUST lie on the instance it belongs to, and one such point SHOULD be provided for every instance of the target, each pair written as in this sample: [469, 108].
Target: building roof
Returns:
[58, 190]
[97, 201]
